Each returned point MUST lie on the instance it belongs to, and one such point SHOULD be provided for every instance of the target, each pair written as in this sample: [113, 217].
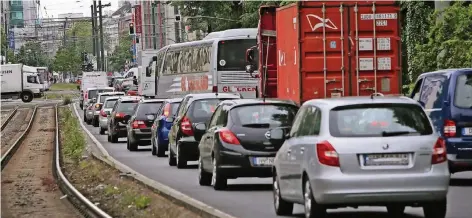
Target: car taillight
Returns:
[97, 105]
[449, 128]
[103, 114]
[228, 137]
[439, 152]
[86, 95]
[186, 126]
[327, 155]
[167, 110]
[119, 115]
[138, 124]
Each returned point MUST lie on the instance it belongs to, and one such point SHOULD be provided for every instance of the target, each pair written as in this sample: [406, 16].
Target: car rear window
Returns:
[463, 92]
[201, 110]
[378, 120]
[264, 115]
[174, 107]
[110, 103]
[150, 108]
[104, 97]
[127, 107]
[92, 94]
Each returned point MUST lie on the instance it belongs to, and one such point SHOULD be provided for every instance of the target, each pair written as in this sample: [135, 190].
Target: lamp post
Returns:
[153, 9]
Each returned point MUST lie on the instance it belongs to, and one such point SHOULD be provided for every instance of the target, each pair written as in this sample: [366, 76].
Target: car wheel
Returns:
[281, 206]
[181, 162]
[396, 210]
[127, 144]
[89, 122]
[113, 138]
[133, 146]
[102, 131]
[153, 147]
[435, 209]
[171, 158]
[85, 118]
[312, 209]
[204, 178]
[108, 137]
[218, 181]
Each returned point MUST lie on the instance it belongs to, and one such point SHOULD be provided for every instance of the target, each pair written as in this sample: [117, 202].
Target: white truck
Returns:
[95, 79]
[18, 82]
[147, 73]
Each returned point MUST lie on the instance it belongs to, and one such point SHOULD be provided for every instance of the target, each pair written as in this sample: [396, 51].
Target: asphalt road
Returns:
[252, 198]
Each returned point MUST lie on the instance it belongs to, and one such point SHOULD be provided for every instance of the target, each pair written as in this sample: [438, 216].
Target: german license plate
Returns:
[386, 160]
[263, 161]
[467, 131]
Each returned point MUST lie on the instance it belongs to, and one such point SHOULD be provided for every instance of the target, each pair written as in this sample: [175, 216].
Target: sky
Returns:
[52, 8]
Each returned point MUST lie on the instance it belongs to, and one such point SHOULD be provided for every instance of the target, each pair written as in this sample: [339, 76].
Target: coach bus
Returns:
[214, 64]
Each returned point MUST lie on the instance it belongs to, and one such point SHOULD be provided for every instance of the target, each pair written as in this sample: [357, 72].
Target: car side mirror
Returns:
[199, 130]
[277, 135]
[170, 119]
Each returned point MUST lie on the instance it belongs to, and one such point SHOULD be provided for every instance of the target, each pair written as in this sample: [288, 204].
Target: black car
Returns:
[139, 125]
[195, 108]
[119, 117]
[162, 124]
[235, 143]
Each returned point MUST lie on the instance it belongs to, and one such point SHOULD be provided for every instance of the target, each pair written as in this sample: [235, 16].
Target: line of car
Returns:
[324, 154]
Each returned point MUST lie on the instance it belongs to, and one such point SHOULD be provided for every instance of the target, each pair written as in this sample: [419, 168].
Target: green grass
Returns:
[63, 86]
[74, 145]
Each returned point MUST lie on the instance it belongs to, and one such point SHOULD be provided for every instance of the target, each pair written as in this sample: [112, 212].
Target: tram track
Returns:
[33, 184]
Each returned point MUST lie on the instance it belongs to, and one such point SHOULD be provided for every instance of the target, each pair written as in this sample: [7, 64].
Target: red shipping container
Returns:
[332, 49]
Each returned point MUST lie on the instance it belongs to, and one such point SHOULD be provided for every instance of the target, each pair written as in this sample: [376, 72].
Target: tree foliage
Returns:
[32, 54]
[67, 59]
[449, 41]
[121, 54]
[244, 14]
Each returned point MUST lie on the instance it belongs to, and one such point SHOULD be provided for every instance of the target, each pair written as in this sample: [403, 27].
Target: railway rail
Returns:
[33, 183]
[8, 118]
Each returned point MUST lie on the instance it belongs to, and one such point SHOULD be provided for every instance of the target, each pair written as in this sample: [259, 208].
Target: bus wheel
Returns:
[26, 96]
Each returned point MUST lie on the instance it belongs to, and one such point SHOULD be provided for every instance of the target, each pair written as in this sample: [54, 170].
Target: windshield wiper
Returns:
[257, 125]
[397, 133]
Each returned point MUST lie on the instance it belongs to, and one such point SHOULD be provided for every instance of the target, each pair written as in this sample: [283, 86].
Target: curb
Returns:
[169, 192]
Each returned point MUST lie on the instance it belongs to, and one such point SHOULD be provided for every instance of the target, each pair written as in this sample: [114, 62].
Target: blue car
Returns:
[446, 96]
[162, 124]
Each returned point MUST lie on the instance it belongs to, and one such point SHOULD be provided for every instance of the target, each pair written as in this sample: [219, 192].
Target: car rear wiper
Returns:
[257, 125]
[397, 133]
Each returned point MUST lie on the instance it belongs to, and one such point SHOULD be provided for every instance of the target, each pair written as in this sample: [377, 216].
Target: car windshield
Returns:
[377, 120]
[149, 108]
[264, 115]
[127, 107]
[110, 103]
[463, 93]
[103, 97]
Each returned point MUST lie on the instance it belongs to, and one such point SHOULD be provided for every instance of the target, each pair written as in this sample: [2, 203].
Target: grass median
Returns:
[117, 195]
[63, 87]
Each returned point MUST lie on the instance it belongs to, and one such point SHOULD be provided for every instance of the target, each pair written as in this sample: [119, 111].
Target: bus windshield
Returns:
[232, 54]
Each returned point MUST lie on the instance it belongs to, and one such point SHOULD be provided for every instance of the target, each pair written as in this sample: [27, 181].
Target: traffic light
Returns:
[177, 18]
[131, 28]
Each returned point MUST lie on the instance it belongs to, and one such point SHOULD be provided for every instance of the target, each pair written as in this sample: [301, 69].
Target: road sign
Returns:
[137, 19]
[11, 39]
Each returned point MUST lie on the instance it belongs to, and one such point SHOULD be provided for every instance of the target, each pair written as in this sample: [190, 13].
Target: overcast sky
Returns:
[54, 7]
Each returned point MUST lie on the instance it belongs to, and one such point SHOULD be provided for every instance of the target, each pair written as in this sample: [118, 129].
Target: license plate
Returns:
[263, 161]
[386, 159]
[467, 131]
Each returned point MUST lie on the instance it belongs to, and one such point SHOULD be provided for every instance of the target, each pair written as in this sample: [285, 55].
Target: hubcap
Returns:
[307, 196]
[276, 194]
[213, 174]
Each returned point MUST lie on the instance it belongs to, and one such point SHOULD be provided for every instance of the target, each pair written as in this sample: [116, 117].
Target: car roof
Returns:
[129, 98]
[257, 101]
[111, 93]
[95, 88]
[197, 96]
[345, 101]
[113, 98]
[446, 72]
[152, 100]
[174, 100]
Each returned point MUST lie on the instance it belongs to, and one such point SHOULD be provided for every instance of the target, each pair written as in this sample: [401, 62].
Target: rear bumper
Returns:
[334, 187]
[142, 137]
[119, 131]
[459, 154]
[189, 149]
[235, 164]
[103, 122]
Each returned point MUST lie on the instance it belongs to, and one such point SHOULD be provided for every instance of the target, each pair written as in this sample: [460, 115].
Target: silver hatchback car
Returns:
[361, 151]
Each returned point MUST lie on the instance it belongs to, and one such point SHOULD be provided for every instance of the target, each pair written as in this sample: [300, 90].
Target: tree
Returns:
[121, 54]
[32, 54]
[67, 59]
[449, 43]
